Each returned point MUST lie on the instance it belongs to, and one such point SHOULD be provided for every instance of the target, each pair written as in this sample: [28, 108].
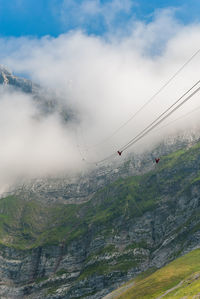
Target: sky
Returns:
[54, 17]
[103, 60]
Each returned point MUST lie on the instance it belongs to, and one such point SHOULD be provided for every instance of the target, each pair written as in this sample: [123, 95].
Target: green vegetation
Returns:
[142, 244]
[61, 272]
[29, 224]
[41, 279]
[122, 264]
[189, 288]
[181, 278]
[108, 250]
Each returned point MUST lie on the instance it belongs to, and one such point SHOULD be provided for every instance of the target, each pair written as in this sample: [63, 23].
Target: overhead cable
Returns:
[164, 115]
[159, 120]
[149, 101]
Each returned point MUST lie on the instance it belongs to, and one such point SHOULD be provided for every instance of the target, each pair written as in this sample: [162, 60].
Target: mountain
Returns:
[25, 85]
[47, 101]
[85, 250]
[84, 236]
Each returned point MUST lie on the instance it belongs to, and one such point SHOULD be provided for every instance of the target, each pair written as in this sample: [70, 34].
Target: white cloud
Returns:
[105, 81]
[31, 146]
[88, 12]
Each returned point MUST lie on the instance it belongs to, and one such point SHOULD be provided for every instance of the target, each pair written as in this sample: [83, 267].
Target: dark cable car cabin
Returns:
[157, 160]
[119, 153]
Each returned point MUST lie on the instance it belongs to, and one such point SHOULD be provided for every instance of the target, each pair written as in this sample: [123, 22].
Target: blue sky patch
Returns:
[54, 17]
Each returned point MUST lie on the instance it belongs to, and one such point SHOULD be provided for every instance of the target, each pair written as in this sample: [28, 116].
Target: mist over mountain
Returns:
[71, 226]
[86, 88]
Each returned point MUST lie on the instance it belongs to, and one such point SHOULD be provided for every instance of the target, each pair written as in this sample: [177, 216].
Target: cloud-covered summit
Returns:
[104, 80]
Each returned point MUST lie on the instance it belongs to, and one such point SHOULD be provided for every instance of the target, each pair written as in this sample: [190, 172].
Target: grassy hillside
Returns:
[179, 279]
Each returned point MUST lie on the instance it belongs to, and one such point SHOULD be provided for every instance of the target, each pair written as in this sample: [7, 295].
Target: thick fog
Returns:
[105, 80]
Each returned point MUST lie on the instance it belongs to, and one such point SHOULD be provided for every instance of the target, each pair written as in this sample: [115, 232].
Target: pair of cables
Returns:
[163, 116]
[148, 101]
[168, 112]
[175, 106]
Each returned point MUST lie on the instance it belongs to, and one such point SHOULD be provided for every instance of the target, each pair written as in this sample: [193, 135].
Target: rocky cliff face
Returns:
[81, 237]
[86, 250]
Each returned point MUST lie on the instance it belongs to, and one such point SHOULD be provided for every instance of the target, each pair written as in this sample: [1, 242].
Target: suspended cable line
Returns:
[149, 101]
[164, 115]
[179, 118]
[159, 120]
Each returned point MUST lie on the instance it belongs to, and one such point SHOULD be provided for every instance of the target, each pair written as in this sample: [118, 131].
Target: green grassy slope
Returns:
[178, 279]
